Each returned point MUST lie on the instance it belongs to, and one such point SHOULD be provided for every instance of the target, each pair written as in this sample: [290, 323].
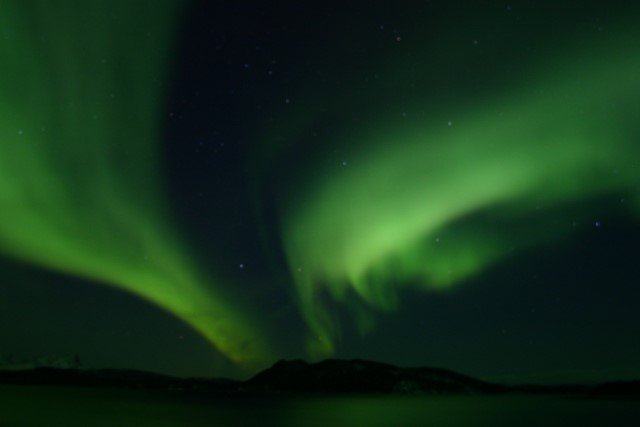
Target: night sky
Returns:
[205, 187]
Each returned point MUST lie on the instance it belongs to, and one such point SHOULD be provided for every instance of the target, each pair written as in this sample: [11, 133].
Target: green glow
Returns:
[81, 93]
[399, 214]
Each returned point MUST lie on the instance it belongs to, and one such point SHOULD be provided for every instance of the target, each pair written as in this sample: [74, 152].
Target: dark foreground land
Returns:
[297, 377]
[294, 393]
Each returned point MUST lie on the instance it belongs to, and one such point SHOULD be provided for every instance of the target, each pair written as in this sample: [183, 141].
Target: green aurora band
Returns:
[81, 98]
[433, 200]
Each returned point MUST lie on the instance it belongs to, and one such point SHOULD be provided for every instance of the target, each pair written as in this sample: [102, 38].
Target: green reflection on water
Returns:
[43, 406]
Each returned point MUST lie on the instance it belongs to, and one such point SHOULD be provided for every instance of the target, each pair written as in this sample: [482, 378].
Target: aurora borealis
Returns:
[379, 223]
[378, 190]
[80, 183]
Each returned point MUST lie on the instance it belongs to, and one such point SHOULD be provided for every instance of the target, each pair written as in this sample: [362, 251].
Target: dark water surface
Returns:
[52, 406]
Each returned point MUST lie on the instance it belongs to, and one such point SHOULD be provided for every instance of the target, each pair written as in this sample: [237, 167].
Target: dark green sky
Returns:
[424, 183]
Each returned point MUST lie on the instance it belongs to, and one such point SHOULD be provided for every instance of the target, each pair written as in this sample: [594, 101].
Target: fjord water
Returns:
[70, 407]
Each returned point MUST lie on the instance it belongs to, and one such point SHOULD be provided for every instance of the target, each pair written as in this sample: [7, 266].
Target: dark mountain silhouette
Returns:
[116, 378]
[363, 376]
[626, 388]
[299, 377]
